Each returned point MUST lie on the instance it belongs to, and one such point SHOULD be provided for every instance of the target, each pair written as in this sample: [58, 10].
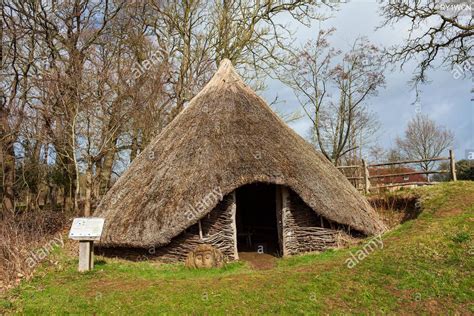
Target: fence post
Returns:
[452, 165]
[366, 177]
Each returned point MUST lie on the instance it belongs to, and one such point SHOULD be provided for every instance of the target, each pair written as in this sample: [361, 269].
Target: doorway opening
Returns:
[256, 219]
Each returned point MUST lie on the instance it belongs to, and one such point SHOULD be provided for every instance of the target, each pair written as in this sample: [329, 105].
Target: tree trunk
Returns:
[7, 159]
[106, 171]
[88, 193]
[7, 154]
[69, 187]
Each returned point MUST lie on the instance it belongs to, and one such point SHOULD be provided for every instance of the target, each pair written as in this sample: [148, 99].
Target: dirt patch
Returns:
[258, 261]
[450, 212]
[103, 286]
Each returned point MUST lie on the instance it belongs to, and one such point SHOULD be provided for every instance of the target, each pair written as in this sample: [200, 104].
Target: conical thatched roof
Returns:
[227, 137]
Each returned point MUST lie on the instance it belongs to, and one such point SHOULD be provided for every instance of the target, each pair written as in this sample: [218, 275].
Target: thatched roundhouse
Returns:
[227, 171]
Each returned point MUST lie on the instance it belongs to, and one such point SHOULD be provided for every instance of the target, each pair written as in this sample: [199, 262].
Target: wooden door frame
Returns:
[282, 209]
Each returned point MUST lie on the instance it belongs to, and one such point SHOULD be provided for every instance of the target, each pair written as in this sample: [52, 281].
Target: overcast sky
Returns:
[446, 100]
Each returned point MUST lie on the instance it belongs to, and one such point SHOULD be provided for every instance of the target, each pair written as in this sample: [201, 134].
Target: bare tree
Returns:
[394, 155]
[424, 139]
[197, 35]
[65, 31]
[7, 155]
[17, 50]
[246, 30]
[341, 123]
[440, 30]
[86, 84]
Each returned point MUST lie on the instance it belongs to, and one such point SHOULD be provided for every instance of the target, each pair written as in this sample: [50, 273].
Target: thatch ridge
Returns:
[227, 137]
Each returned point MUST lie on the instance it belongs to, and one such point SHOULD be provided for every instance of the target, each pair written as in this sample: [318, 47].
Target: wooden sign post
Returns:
[86, 230]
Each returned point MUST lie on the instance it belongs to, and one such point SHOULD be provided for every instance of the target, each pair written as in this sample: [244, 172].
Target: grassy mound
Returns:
[424, 265]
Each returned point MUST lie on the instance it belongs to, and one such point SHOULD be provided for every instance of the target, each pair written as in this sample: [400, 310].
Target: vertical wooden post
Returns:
[200, 229]
[366, 177]
[279, 214]
[285, 208]
[86, 255]
[452, 165]
[234, 224]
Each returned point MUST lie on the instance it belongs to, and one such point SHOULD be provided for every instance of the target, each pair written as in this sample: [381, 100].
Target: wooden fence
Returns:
[359, 175]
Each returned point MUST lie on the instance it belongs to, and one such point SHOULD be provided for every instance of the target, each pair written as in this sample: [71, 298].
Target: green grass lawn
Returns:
[425, 266]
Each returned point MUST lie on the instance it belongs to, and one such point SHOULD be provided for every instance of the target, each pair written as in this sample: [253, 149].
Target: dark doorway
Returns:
[256, 219]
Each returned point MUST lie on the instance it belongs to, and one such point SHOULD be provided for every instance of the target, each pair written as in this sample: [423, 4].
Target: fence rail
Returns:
[364, 172]
[402, 162]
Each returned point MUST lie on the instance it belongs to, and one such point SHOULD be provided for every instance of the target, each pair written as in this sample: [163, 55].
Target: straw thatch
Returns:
[227, 137]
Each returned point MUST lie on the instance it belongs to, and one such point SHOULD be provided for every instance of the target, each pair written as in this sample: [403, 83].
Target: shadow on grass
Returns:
[100, 263]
